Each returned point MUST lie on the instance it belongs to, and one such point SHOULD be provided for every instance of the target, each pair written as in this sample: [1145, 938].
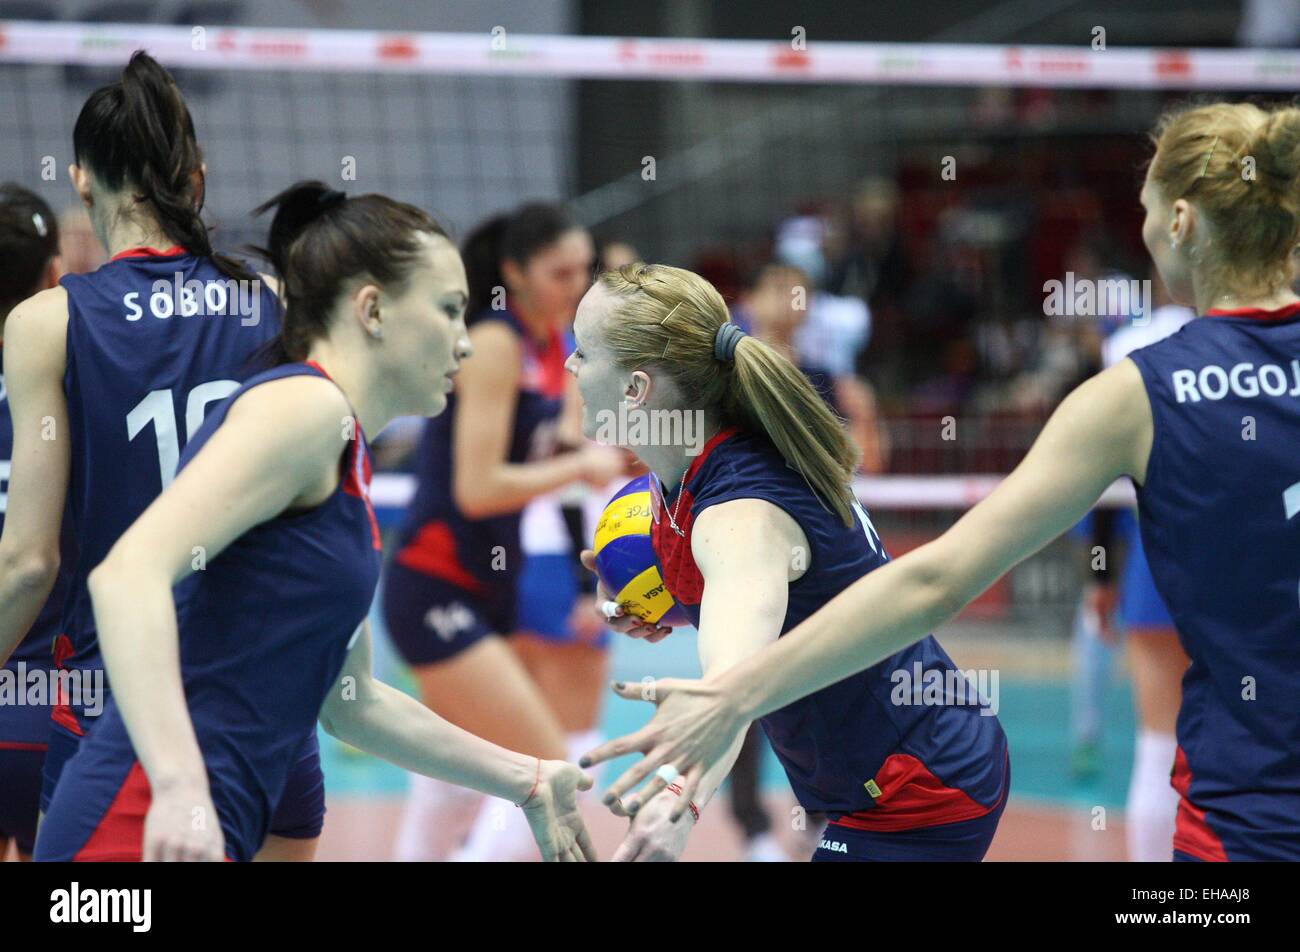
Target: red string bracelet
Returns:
[695, 811]
[533, 792]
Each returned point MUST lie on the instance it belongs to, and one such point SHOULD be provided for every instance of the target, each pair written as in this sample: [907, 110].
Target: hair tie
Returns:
[328, 199]
[724, 342]
[38, 222]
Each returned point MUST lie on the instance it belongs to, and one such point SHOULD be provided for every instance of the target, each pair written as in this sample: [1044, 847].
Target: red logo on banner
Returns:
[1064, 63]
[226, 40]
[1173, 63]
[1013, 58]
[680, 56]
[398, 48]
[797, 60]
[278, 48]
[626, 51]
[2, 37]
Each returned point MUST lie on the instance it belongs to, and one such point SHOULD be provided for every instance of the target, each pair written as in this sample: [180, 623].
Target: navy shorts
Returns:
[299, 815]
[963, 842]
[431, 620]
[24, 731]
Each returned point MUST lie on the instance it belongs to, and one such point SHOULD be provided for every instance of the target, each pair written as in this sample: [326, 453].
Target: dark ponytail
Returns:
[319, 240]
[138, 133]
[29, 238]
[514, 236]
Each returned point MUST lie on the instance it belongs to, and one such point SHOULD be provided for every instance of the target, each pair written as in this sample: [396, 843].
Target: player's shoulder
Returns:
[1181, 341]
[745, 462]
[50, 303]
[302, 408]
[496, 333]
[41, 320]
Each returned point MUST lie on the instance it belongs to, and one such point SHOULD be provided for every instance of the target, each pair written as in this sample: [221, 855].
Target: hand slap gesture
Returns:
[695, 725]
[553, 815]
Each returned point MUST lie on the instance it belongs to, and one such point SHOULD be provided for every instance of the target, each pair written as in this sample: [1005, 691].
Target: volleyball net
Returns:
[990, 165]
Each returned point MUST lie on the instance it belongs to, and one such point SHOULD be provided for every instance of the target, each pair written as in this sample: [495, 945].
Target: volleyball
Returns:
[625, 558]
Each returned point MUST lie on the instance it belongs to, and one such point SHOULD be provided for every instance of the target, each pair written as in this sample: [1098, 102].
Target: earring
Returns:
[377, 332]
[1173, 244]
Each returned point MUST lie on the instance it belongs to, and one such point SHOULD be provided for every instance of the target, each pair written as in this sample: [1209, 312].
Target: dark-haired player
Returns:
[29, 247]
[220, 683]
[110, 374]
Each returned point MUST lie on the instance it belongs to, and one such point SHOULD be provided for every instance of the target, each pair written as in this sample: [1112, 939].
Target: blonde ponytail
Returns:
[668, 318]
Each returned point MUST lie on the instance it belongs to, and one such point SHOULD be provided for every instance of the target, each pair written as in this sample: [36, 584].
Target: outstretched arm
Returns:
[1102, 431]
[745, 550]
[379, 719]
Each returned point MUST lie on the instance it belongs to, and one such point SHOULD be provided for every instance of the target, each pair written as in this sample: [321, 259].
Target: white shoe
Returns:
[765, 849]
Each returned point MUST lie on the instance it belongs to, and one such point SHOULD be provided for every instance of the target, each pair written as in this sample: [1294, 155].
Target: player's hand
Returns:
[619, 620]
[553, 814]
[696, 724]
[181, 825]
[585, 620]
[654, 836]
[600, 465]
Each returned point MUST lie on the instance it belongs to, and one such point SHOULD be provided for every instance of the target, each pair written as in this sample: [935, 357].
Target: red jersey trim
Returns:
[357, 481]
[545, 362]
[61, 712]
[21, 745]
[119, 834]
[432, 552]
[1192, 833]
[912, 798]
[676, 561]
[1281, 314]
[147, 252]
[725, 433]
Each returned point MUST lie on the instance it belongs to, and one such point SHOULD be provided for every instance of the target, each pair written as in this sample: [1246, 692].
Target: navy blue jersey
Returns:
[154, 339]
[482, 556]
[902, 745]
[1220, 522]
[264, 632]
[36, 647]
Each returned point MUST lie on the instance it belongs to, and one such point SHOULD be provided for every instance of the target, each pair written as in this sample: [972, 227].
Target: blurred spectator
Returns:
[866, 257]
[774, 310]
[837, 328]
[1269, 23]
[614, 255]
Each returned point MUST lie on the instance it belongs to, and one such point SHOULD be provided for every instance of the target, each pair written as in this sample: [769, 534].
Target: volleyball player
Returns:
[29, 246]
[755, 529]
[271, 633]
[109, 375]
[1156, 658]
[450, 594]
[1207, 423]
